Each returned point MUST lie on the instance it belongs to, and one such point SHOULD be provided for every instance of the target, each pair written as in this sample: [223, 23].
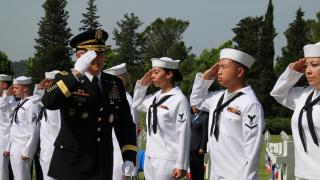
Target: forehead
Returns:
[226, 61]
[313, 59]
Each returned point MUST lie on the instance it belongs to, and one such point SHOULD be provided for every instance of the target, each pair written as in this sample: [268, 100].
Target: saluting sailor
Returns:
[121, 72]
[305, 102]
[5, 123]
[91, 103]
[236, 119]
[49, 124]
[168, 121]
[24, 132]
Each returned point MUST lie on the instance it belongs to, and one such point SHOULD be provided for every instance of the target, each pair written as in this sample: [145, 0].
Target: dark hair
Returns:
[9, 83]
[177, 76]
[246, 69]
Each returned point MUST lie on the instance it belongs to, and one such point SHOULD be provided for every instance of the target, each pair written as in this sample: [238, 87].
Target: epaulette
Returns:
[63, 73]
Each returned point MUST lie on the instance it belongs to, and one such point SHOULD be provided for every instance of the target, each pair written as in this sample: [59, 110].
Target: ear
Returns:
[169, 75]
[241, 72]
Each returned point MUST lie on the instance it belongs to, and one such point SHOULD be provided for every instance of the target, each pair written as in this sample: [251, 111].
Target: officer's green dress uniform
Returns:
[83, 148]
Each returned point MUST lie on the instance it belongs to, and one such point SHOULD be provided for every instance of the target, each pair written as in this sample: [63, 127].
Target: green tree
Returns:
[5, 64]
[90, 18]
[192, 65]
[297, 35]
[315, 29]
[52, 50]
[129, 43]
[164, 38]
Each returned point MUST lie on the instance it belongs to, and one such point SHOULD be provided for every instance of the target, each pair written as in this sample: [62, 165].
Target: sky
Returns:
[211, 21]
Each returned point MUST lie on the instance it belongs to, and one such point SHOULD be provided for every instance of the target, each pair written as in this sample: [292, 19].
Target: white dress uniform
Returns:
[168, 148]
[236, 154]
[5, 124]
[307, 163]
[117, 157]
[24, 136]
[49, 129]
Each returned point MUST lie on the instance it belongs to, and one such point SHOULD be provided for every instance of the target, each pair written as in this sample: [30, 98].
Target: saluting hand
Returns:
[299, 65]
[43, 84]
[10, 91]
[211, 73]
[146, 79]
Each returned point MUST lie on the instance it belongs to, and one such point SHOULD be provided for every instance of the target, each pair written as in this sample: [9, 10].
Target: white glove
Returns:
[128, 168]
[83, 62]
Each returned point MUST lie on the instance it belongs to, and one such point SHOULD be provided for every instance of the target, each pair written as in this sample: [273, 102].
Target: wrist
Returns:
[76, 73]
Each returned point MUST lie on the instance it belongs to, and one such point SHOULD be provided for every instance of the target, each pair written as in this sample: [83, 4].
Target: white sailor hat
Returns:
[117, 70]
[238, 56]
[51, 74]
[165, 62]
[4, 77]
[312, 50]
[22, 80]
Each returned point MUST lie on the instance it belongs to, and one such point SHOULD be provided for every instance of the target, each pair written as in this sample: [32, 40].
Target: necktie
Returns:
[217, 112]
[42, 113]
[15, 111]
[308, 108]
[95, 83]
[154, 106]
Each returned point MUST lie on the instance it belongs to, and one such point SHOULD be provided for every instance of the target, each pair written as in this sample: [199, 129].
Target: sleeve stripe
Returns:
[129, 147]
[63, 88]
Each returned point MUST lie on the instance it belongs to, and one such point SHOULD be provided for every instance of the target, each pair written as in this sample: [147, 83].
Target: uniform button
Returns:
[101, 109]
[117, 107]
[99, 119]
[99, 129]
[79, 104]
[98, 139]
[61, 147]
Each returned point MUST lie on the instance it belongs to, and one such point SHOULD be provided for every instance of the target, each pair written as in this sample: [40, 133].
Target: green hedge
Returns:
[278, 124]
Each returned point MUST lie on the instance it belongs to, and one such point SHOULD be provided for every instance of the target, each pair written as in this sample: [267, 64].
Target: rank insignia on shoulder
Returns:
[251, 124]
[234, 110]
[63, 73]
[114, 94]
[181, 117]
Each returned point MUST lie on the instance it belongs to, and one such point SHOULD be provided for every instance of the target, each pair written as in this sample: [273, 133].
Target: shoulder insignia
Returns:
[63, 73]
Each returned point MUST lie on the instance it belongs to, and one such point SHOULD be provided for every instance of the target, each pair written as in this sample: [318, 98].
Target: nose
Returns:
[308, 69]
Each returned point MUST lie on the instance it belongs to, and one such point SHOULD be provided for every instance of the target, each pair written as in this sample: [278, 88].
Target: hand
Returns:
[43, 84]
[178, 173]
[24, 157]
[84, 61]
[299, 65]
[146, 79]
[10, 91]
[128, 168]
[211, 73]
[6, 153]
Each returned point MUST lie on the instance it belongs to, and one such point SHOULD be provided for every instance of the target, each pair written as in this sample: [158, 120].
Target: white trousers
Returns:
[158, 169]
[20, 168]
[297, 178]
[45, 159]
[4, 167]
[117, 170]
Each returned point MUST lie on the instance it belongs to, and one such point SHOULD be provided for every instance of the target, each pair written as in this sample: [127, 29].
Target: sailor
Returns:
[168, 121]
[236, 119]
[305, 102]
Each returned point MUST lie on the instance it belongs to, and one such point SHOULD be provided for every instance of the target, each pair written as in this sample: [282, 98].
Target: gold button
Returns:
[99, 129]
[99, 119]
[79, 104]
[61, 147]
[98, 139]
[101, 109]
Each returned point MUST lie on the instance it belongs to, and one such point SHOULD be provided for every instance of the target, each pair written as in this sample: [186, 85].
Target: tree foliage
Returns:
[52, 50]
[5, 64]
[90, 18]
[128, 45]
